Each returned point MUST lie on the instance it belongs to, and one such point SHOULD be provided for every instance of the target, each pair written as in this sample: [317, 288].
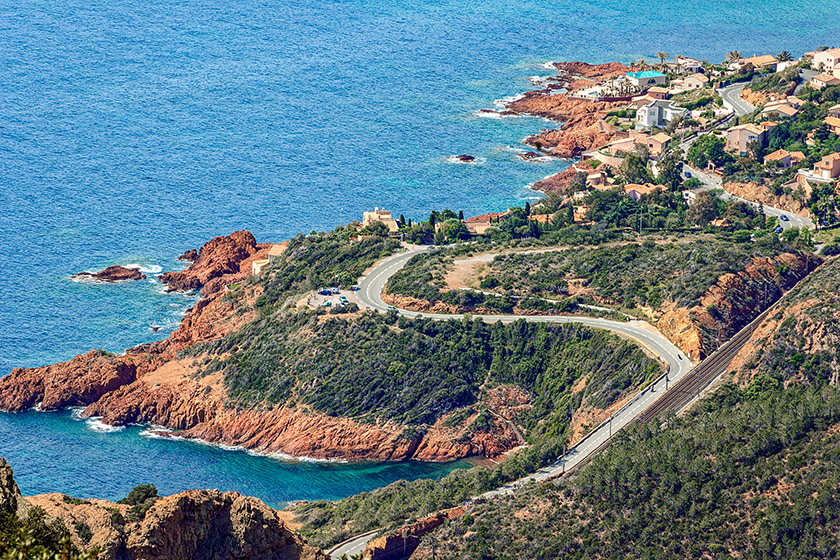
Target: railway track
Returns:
[689, 387]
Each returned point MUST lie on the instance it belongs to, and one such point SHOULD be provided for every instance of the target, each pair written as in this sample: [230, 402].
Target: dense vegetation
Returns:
[34, 537]
[632, 274]
[414, 371]
[318, 260]
[751, 473]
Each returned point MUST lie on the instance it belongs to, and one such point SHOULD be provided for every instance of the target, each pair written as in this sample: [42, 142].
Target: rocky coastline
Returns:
[151, 384]
[112, 274]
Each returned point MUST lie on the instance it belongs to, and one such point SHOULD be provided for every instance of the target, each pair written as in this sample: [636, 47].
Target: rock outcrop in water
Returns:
[218, 260]
[112, 274]
[581, 129]
[193, 525]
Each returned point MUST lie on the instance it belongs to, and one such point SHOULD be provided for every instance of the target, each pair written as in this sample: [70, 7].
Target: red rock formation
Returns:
[78, 382]
[198, 524]
[402, 543]
[190, 255]
[557, 183]
[732, 302]
[112, 274]
[220, 257]
[172, 397]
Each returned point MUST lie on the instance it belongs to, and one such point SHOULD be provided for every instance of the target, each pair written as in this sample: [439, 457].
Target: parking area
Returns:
[334, 297]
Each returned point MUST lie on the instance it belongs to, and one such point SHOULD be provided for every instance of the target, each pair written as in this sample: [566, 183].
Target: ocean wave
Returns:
[146, 269]
[504, 101]
[162, 432]
[94, 423]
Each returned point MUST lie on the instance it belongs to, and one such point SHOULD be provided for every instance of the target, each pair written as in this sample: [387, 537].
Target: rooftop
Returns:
[646, 74]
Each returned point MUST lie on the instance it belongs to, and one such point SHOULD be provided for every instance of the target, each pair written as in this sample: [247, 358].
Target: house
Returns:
[580, 214]
[646, 78]
[640, 101]
[620, 146]
[382, 216]
[827, 59]
[824, 80]
[599, 179]
[785, 158]
[780, 109]
[762, 62]
[828, 167]
[478, 225]
[738, 138]
[658, 92]
[834, 111]
[657, 143]
[696, 81]
[833, 125]
[659, 113]
[689, 64]
[274, 253]
[637, 191]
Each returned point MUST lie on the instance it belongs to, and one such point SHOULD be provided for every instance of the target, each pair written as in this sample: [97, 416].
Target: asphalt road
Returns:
[712, 181]
[370, 294]
[731, 96]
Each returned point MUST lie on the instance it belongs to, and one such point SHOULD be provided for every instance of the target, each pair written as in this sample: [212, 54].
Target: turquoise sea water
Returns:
[131, 131]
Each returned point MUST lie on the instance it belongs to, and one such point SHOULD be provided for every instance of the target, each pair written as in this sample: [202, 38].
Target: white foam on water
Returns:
[95, 424]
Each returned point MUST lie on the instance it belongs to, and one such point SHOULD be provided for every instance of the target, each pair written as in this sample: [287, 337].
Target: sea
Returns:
[131, 131]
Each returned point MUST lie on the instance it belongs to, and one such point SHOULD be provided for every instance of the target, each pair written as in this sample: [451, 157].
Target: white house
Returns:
[696, 81]
[660, 113]
[826, 60]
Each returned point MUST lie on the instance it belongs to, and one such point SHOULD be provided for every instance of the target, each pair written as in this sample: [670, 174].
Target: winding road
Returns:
[370, 292]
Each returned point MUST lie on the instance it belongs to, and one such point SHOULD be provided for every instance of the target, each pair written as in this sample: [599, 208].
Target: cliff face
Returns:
[403, 543]
[173, 397]
[798, 341]
[195, 525]
[9, 491]
[762, 195]
[221, 257]
[734, 301]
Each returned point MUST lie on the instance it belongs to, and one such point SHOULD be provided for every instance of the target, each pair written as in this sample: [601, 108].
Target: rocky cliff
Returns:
[194, 525]
[732, 302]
[581, 130]
[763, 195]
[88, 377]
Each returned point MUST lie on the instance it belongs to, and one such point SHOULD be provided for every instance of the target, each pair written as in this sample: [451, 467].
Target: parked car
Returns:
[327, 304]
[354, 289]
[784, 218]
[324, 292]
[778, 229]
[335, 290]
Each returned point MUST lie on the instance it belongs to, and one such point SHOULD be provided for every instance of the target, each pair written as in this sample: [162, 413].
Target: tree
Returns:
[433, 218]
[378, 229]
[661, 55]
[402, 219]
[670, 169]
[634, 169]
[454, 230]
[527, 208]
[784, 56]
[703, 210]
[461, 215]
[733, 56]
[708, 148]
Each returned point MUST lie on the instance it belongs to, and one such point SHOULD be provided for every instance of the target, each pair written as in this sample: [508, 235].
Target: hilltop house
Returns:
[656, 143]
[689, 64]
[784, 157]
[659, 113]
[824, 80]
[828, 167]
[636, 192]
[826, 60]
[696, 81]
[739, 137]
[833, 125]
[274, 253]
[646, 78]
[759, 62]
[382, 216]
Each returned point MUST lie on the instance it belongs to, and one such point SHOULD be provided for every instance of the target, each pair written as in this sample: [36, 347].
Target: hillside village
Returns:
[687, 144]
